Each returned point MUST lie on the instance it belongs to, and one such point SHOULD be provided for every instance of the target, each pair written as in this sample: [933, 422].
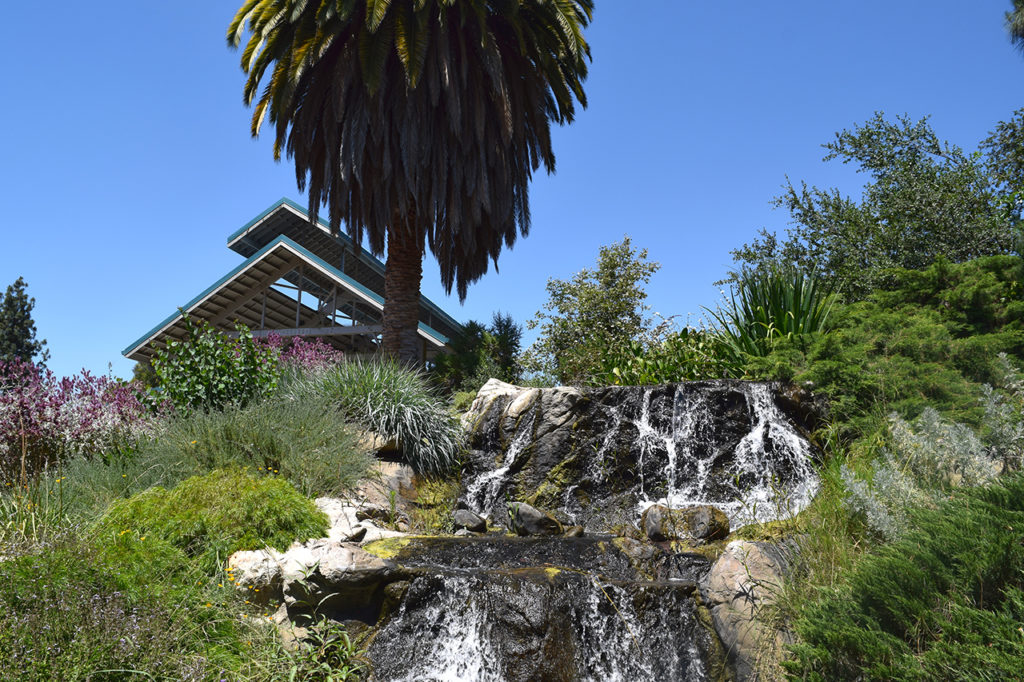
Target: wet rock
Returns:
[528, 520]
[574, 532]
[584, 451]
[747, 577]
[702, 522]
[464, 518]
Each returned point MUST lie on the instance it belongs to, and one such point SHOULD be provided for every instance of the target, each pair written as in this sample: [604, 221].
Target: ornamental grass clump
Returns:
[395, 403]
[305, 441]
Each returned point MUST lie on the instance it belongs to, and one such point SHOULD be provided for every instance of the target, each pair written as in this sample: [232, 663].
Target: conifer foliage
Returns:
[17, 329]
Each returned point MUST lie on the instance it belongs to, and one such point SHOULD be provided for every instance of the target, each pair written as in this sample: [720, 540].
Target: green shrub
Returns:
[65, 615]
[945, 602]
[928, 338]
[684, 355]
[393, 402]
[211, 516]
[208, 370]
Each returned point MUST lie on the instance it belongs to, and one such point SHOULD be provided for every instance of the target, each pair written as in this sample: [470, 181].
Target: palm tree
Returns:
[1015, 23]
[417, 123]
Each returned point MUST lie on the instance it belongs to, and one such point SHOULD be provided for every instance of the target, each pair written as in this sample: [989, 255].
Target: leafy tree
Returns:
[417, 124]
[1015, 23]
[17, 329]
[480, 353]
[593, 315]
[926, 199]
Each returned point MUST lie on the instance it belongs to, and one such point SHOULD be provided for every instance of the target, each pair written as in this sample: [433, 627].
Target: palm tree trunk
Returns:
[402, 274]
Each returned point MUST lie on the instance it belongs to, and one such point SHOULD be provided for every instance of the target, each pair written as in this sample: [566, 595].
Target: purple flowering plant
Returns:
[44, 418]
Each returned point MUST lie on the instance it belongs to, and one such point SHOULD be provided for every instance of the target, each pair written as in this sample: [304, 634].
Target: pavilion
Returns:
[299, 280]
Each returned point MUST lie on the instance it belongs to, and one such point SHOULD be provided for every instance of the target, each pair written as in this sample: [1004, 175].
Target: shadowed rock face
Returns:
[510, 609]
[599, 455]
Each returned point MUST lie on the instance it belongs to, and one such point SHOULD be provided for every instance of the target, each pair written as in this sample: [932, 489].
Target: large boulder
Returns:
[702, 523]
[746, 578]
[337, 579]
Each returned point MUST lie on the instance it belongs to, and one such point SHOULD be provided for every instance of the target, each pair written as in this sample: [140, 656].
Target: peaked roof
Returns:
[271, 244]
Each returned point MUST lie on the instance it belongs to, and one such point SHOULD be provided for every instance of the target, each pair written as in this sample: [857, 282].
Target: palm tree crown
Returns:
[417, 121]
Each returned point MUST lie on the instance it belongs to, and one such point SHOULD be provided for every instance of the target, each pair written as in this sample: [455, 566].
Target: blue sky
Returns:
[128, 158]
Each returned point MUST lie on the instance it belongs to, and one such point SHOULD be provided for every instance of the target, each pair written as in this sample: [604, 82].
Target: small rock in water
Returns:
[527, 520]
[466, 519]
[702, 522]
[574, 532]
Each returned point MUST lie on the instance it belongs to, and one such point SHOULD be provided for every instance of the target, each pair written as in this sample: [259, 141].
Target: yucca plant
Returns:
[770, 303]
[394, 402]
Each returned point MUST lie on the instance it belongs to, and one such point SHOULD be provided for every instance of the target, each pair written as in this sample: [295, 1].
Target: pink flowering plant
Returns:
[301, 355]
[44, 419]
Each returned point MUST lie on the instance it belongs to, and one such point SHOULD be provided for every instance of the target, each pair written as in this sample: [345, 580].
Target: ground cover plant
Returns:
[945, 602]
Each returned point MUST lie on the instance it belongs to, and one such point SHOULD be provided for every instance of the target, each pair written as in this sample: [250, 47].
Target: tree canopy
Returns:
[925, 199]
[593, 314]
[416, 123]
[17, 329]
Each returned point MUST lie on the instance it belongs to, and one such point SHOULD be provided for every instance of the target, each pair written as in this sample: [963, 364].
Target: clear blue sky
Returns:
[128, 161]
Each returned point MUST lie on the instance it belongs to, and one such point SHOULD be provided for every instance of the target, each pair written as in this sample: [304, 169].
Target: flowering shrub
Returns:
[302, 355]
[44, 419]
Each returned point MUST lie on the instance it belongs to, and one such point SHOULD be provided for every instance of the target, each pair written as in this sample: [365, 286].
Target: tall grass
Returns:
[392, 401]
[771, 303]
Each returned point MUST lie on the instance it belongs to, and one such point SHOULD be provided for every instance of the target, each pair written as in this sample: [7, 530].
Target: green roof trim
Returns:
[371, 260]
[302, 251]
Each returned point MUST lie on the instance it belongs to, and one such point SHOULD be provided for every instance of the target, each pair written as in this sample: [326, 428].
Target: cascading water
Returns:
[752, 477]
[528, 625]
[605, 608]
[724, 443]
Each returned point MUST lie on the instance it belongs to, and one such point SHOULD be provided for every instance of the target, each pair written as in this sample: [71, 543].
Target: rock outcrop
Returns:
[595, 455]
[745, 579]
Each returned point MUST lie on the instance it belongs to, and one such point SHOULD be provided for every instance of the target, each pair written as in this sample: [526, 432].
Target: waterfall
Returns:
[484, 492]
[769, 477]
[494, 627]
[723, 443]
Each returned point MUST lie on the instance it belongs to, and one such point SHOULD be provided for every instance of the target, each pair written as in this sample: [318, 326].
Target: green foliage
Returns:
[945, 602]
[306, 442]
[326, 654]
[929, 337]
[926, 199]
[17, 329]
[208, 370]
[393, 402]
[684, 355]
[772, 303]
[480, 353]
[593, 315]
[209, 517]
